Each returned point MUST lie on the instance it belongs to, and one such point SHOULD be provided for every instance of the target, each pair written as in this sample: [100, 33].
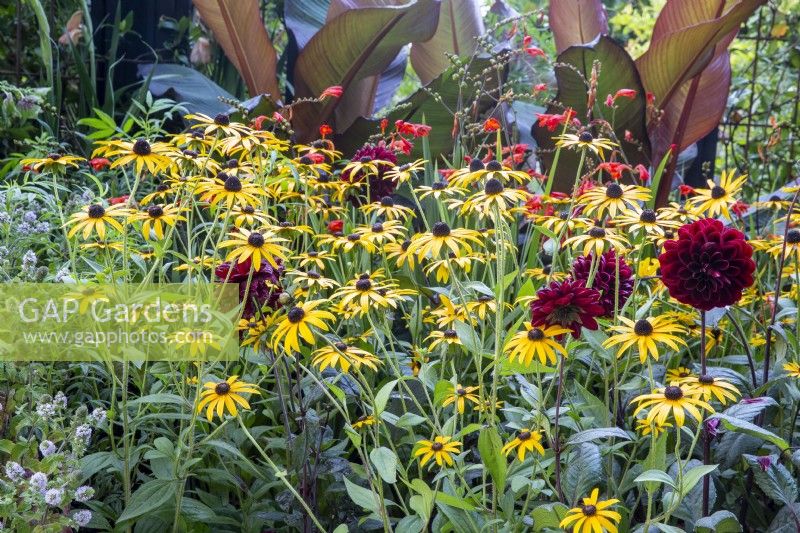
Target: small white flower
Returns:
[54, 497]
[47, 448]
[14, 471]
[82, 517]
[39, 481]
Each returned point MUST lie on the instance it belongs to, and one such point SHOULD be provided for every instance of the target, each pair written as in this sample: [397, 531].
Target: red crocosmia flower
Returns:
[534, 204]
[534, 51]
[708, 265]
[259, 121]
[325, 130]
[335, 225]
[585, 185]
[99, 163]
[644, 174]
[686, 190]
[401, 145]
[26, 168]
[406, 128]
[335, 91]
[614, 169]
[527, 40]
[628, 136]
[651, 98]
[539, 87]
[551, 122]
[384, 124]
[277, 117]
[625, 93]
[739, 208]
[445, 173]
[609, 101]
[118, 199]
[568, 304]
[421, 130]
[605, 279]
[491, 124]
[316, 157]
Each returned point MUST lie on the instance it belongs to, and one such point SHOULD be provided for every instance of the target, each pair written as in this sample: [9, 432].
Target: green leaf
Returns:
[664, 528]
[786, 519]
[362, 497]
[576, 22]
[693, 476]
[454, 501]
[489, 446]
[385, 462]
[583, 472]
[618, 71]
[382, 396]
[742, 426]
[442, 390]
[423, 502]
[656, 476]
[160, 398]
[596, 434]
[374, 36]
[548, 516]
[460, 23]
[150, 496]
[775, 480]
[719, 522]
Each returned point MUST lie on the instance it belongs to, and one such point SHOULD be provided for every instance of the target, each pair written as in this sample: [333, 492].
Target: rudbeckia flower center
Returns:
[648, 216]
[437, 446]
[54, 156]
[96, 211]
[461, 391]
[313, 254]
[233, 184]
[494, 166]
[440, 229]
[248, 210]
[793, 236]
[614, 191]
[597, 233]
[493, 186]
[256, 240]
[706, 379]
[295, 314]
[222, 388]
[643, 328]
[141, 147]
[524, 435]
[450, 334]
[377, 228]
[353, 237]
[222, 119]
[286, 224]
[365, 159]
[476, 165]
[305, 160]
[484, 299]
[405, 245]
[438, 186]
[586, 137]
[313, 274]
[535, 334]
[162, 187]
[717, 192]
[589, 510]
[340, 346]
[564, 215]
[155, 211]
[363, 285]
[387, 201]
[190, 153]
[673, 393]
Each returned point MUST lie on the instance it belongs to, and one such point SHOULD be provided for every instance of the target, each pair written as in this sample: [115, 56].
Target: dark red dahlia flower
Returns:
[605, 280]
[378, 186]
[568, 304]
[265, 284]
[708, 265]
